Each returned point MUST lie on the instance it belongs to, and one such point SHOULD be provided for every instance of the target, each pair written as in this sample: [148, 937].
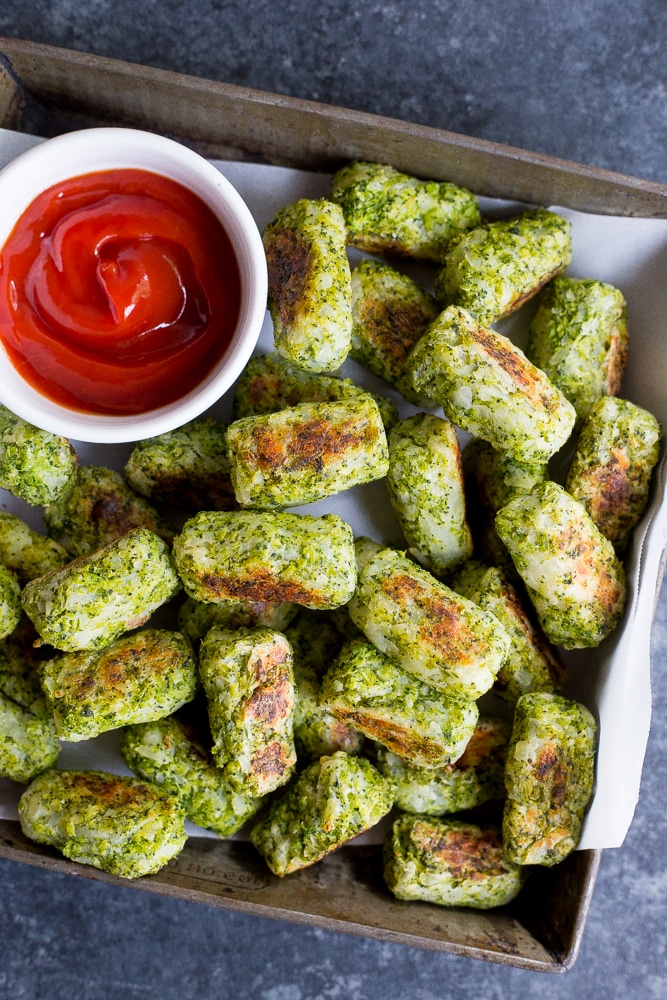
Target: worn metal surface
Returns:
[62, 90]
[541, 930]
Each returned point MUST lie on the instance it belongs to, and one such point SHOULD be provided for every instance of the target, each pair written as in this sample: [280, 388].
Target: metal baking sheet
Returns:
[48, 91]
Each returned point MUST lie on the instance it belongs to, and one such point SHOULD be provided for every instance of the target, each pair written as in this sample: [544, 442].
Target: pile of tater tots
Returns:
[314, 683]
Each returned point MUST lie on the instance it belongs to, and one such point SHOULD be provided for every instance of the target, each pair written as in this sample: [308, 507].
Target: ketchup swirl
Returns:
[119, 291]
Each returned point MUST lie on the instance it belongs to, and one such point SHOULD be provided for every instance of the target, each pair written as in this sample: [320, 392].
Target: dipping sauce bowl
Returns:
[132, 285]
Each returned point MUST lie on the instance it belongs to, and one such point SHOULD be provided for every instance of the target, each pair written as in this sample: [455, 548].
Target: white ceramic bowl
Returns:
[90, 150]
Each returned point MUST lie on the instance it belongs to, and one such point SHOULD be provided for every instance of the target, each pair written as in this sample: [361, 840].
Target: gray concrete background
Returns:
[582, 79]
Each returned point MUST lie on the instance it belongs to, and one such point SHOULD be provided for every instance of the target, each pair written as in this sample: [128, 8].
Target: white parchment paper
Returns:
[613, 680]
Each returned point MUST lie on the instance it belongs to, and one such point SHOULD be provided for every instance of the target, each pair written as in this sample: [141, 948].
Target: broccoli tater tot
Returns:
[495, 268]
[439, 636]
[139, 678]
[310, 298]
[19, 669]
[27, 553]
[450, 863]
[274, 557]
[34, 464]
[549, 778]
[28, 741]
[390, 312]
[122, 825]
[570, 570]
[249, 685]
[306, 452]
[196, 618]
[334, 799]
[477, 776]
[425, 483]
[93, 600]
[532, 664]
[315, 643]
[187, 467]
[487, 386]
[10, 602]
[99, 508]
[374, 694]
[610, 473]
[270, 383]
[392, 213]
[167, 754]
[491, 480]
[364, 550]
[579, 338]
[315, 639]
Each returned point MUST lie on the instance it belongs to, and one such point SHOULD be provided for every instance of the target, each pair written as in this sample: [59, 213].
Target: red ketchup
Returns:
[119, 292]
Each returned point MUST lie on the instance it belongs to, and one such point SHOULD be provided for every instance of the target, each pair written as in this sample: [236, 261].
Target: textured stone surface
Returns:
[585, 80]
[582, 79]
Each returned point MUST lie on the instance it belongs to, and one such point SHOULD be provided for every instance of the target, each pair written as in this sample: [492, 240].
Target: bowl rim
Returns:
[50, 162]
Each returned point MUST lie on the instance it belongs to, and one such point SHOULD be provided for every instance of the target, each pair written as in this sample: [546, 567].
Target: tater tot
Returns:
[93, 600]
[166, 753]
[392, 213]
[270, 383]
[491, 480]
[10, 602]
[439, 636]
[249, 685]
[28, 741]
[307, 452]
[495, 268]
[390, 312]
[374, 694]
[549, 778]
[477, 776]
[570, 570]
[315, 643]
[579, 338]
[532, 664]
[123, 825]
[99, 508]
[333, 800]
[425, 483]
[273, 557]
[27, 553]
[35, 465]
[187, 467]
[488, 387]
[611, 471]
[141, 677]
[196, 618]
[310, 297]
[20, 664]
[450, 863]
